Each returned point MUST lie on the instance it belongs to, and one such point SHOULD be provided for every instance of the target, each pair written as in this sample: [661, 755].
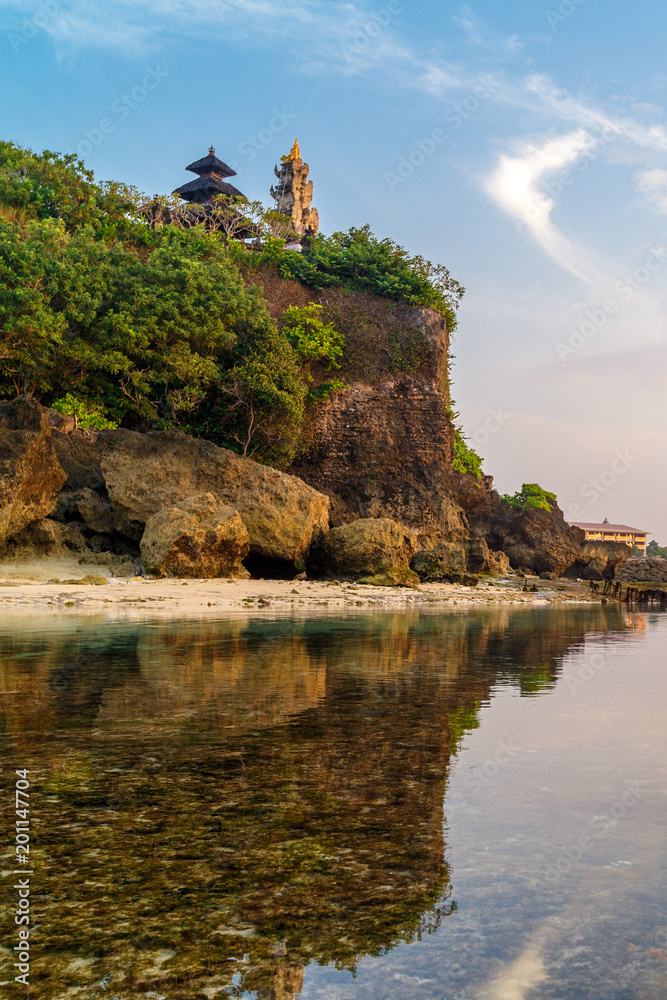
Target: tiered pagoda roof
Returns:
[209, 183]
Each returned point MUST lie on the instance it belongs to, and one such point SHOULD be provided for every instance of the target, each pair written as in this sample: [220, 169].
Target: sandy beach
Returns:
[57, 586]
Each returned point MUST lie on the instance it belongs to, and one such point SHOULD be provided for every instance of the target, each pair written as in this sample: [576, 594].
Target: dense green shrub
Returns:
[654, 551]
[359, 260]
[160, 337]
[531, 496]
[53, 186]
[310, 336]
[466, 459]
[87, 414]
[118, 317]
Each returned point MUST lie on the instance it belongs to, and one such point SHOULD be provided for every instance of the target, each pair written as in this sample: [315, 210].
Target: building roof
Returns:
[211, 165]
[205, 188]
[625, 528]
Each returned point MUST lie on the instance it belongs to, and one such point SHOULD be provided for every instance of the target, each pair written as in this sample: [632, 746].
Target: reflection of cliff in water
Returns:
[236, 799]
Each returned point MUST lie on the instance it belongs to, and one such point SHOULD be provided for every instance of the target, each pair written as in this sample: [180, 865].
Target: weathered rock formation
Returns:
[452, 562]
[30, 476]
[198, 537]
[385, 446]
[540, 541]
[600, 561]
[44, 538]
[372, 550]
[144, 473]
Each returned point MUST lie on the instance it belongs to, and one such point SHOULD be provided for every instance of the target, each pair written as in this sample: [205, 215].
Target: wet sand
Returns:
[55, 586]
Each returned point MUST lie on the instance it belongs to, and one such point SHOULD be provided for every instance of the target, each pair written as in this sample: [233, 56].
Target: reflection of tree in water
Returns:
[239, 799]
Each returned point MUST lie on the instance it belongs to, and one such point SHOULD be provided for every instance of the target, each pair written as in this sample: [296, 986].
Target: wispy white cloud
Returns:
[566, 108]
[348, 37]
[653, 185]
[341, 35]
[519, 186]
[481, 35]
[524, 182]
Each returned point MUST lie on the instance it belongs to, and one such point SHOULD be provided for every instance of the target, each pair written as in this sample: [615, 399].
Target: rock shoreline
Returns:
[123, 504]
[211, 598]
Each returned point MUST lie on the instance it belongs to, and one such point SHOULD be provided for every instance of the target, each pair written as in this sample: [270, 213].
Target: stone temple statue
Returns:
[293, 193]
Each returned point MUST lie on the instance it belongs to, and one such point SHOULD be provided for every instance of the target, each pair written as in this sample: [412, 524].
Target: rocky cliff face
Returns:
[30, 475]
[380, 449]
[384, 447]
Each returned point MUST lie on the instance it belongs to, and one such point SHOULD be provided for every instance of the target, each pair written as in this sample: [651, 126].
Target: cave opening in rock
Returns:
[268, 568]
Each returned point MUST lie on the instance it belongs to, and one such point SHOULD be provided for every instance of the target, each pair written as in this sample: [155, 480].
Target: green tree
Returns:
[531, 496]
[31, 331]
[359, 260]
[50, 185]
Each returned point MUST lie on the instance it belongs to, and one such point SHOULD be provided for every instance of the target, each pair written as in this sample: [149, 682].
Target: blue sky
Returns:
[522, 145]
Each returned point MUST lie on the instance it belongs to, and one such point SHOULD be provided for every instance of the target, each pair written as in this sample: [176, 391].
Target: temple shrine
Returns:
[293, 194]
[210, 173]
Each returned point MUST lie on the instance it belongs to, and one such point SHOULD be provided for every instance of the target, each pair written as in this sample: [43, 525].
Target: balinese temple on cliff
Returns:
[210, 173]
[293, 194]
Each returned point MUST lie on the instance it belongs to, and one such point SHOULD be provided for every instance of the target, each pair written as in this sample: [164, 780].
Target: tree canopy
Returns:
[359, 260]
[130, 311]
[531, 496]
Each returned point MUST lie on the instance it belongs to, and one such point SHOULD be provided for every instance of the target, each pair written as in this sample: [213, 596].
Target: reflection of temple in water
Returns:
[235, 800]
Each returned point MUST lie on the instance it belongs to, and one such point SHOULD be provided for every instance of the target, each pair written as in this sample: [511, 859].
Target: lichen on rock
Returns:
[30, 474]
[372, 550]
[199, 537]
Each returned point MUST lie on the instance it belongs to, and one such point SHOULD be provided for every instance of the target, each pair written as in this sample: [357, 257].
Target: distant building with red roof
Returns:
[606, 532]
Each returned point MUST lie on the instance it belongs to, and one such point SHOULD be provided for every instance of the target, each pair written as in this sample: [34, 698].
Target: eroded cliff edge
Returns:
[379, 451]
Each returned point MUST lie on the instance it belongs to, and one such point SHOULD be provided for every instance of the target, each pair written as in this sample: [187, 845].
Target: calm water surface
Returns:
[413, 805]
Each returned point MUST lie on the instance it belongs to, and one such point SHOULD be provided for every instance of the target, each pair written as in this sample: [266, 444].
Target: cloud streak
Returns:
[652, 184]
[519, 186]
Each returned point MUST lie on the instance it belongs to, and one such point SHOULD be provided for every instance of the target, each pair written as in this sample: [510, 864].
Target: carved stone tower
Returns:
[293, 194]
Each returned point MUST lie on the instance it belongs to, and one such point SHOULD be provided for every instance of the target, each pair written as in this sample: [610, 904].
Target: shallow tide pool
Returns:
[418, 805]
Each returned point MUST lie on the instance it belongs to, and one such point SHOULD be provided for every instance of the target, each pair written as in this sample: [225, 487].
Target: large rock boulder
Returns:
[599, 561]
[499, 564]
[44, 538]
[539, 540]
[372, 550]
[145, 473]
[30, 474]
[446, 562]
[198, 537]
[456, 561]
